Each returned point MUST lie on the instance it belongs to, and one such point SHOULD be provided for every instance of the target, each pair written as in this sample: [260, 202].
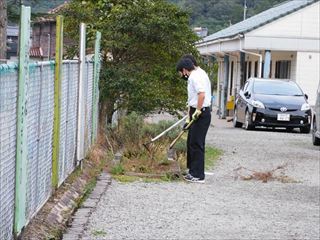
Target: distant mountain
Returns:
[38, 7]
[43, 6]
[218, 14]
[212, 14]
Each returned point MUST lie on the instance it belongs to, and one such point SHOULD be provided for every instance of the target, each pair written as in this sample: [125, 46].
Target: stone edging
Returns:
[80, 219]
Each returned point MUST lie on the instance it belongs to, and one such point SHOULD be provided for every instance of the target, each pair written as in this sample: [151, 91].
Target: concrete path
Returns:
[226, 206]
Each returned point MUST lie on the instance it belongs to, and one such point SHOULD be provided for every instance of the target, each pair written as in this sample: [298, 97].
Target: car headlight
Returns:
[257, 104]
[305, 107]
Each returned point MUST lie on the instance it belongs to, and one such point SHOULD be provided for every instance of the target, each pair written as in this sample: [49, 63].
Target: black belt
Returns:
[202, 109]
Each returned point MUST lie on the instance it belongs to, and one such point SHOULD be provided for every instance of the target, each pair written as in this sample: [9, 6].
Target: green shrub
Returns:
[154, 129]
[130, 128]
[117, 169]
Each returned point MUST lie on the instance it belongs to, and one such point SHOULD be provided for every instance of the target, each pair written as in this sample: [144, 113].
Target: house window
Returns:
[283, 69]
[231, 79]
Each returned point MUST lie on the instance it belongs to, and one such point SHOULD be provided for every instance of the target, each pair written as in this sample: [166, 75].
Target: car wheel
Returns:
[315, 140]
[236, 124]
[248, 122]
[305, 129]
[289, 129]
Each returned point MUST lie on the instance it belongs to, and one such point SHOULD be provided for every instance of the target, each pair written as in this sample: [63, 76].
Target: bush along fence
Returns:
[48, 121]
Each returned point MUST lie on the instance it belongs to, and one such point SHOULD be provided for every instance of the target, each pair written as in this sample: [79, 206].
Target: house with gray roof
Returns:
[12, 41]
[282, 42]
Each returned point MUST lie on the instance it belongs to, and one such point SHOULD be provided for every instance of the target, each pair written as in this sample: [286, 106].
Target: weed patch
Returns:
[143, 159]
[117, 169]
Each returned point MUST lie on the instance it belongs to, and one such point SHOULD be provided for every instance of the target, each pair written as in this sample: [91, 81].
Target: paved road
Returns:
[225, 207]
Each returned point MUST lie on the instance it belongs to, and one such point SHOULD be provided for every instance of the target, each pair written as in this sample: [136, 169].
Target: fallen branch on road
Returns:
[273, 175]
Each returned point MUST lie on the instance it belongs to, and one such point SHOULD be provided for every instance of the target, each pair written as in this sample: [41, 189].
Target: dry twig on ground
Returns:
[264, 176]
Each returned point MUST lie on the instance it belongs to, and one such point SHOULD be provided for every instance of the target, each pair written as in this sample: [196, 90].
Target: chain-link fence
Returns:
[39, 125]
[8, 119]
[89, 86]
[40, 102]
[68, 118]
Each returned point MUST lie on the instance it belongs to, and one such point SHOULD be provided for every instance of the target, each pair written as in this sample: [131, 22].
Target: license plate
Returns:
[283, 117]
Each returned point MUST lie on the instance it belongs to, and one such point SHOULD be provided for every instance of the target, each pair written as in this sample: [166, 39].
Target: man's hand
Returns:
[185, 126]
[196, 115]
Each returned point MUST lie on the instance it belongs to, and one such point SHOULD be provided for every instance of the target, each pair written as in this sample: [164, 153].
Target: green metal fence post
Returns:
[22, 151]
[57, 100]
[95, 94]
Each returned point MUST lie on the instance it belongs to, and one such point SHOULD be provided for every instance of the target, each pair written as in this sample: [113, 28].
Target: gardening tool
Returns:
[146, 145]
[172, 152]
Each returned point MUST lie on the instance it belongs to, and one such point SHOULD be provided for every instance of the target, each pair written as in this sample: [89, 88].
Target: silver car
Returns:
[316, 121]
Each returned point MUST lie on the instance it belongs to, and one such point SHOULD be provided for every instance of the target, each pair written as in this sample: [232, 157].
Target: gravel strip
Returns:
[223, 207]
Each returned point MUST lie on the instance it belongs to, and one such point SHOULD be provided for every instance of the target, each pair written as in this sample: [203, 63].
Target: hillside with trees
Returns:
[213, 14]
[38, 7]
[218, 14]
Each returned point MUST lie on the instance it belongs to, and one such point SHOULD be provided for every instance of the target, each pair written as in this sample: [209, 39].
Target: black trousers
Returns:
[196, 143]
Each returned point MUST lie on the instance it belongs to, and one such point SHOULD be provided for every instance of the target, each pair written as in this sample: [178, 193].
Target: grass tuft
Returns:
[117, 169]
[212, 154]
[99, 233]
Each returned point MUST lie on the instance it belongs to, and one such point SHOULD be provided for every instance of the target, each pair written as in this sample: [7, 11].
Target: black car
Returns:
[272, 103]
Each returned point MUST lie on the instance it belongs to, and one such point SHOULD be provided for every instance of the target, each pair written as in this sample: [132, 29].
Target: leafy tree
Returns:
[3, 29]
[142, 41]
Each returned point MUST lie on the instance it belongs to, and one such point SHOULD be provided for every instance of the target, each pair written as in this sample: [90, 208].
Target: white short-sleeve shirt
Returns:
[198, 82]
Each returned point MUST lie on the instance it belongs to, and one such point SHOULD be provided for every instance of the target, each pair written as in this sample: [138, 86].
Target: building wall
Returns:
[307, 73]
[303, 23]
[298, 31]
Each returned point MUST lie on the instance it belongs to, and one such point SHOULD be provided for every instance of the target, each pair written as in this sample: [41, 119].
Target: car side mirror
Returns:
[246, 94]
[306, 96]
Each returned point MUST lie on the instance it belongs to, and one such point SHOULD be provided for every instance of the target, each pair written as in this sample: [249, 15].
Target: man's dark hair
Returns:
[193, 60]
[185, 63]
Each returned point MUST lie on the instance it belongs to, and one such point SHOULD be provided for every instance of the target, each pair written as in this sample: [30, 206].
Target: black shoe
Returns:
[190, 178]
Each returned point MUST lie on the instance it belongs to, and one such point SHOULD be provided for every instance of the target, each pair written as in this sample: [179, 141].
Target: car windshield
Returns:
[276, 88]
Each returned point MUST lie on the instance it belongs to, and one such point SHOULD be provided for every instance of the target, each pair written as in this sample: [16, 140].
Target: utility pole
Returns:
[245, 10]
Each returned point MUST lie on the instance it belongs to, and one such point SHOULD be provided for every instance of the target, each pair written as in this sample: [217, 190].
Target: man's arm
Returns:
[201, 96]
[197, 113]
